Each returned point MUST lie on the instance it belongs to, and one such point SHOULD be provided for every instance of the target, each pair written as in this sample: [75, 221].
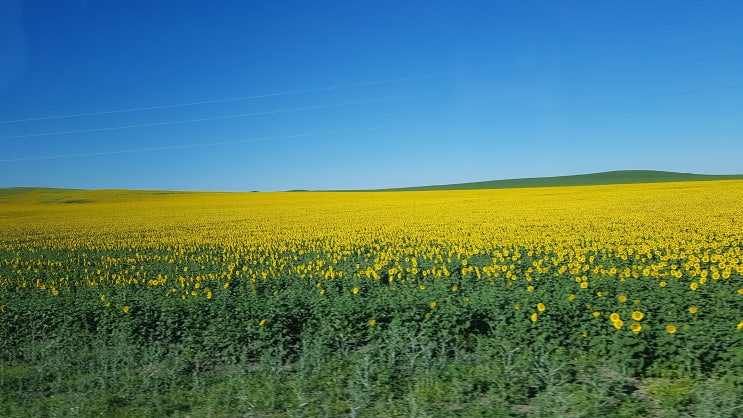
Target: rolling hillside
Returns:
[58, 195]
[609, 177]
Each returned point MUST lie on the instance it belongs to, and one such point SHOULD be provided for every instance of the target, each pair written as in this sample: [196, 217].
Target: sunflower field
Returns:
[617, 300]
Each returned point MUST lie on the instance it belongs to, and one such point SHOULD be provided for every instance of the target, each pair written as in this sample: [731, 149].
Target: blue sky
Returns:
[351, 94]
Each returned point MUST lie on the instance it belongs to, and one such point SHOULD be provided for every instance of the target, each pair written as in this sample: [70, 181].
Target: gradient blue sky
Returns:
[418, 92]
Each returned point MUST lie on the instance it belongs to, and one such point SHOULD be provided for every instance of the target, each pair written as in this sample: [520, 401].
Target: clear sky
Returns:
[351, 94]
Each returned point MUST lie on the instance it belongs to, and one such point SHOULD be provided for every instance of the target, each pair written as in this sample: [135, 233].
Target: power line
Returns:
[271, 112]
[661, 65]
[591, 104]
[336, 87]
[631, 99]
[231, 99]
[576, 106]
[202, 145]
[174, 147]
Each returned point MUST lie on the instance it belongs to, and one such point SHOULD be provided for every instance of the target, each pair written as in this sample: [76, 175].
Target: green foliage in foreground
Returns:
[407, 376]
[318, 354]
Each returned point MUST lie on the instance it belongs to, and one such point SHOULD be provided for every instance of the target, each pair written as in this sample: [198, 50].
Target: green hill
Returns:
[54, 195]
[609, 177]
[35, 195]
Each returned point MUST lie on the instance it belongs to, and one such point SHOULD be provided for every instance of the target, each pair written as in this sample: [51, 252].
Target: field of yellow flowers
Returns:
[620, 300]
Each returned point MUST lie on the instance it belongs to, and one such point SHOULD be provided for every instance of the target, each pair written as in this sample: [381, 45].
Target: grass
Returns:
[58, 195]
[609, 177]
[50, 195]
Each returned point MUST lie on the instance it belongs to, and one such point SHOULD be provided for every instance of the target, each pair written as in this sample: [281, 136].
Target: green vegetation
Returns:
[479, 303]
[282, 349]
[609, 177]
[49, 195]
[605, 178]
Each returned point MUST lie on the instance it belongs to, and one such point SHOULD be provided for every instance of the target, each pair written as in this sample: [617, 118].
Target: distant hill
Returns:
[608, 177]
[54, 195]
[36, 195]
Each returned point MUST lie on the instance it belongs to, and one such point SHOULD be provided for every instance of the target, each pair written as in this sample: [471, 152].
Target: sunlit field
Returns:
[621, 300]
